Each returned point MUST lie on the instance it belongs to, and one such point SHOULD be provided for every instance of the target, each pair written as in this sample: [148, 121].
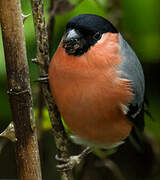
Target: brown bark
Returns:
[19, 90]
[43, 62]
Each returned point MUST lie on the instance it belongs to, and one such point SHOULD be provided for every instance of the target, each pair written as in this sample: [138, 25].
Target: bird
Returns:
[98, 83]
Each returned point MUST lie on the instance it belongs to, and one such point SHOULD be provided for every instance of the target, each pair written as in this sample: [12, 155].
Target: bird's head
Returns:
[83, 31]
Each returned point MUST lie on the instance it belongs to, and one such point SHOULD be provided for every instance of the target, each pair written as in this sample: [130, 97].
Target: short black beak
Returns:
[72, 42]
[71, 35]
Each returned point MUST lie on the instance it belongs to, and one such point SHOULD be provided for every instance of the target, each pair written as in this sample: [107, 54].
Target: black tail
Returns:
[137, 153]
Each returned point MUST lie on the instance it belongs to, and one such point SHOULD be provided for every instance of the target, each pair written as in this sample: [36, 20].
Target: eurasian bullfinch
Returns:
[97, 82]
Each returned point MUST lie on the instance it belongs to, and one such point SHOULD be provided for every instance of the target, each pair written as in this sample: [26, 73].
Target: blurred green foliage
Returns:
[141, 20]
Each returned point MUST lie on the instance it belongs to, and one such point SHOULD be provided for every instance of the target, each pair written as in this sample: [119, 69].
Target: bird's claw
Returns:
[67, 163]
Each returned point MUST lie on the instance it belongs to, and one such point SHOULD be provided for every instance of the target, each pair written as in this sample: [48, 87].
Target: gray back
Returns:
[132, 70]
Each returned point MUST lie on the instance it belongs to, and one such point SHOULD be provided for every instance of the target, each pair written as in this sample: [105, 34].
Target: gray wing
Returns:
[132, 70]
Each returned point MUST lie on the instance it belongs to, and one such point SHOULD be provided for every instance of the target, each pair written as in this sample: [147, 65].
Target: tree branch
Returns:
[43, 62]
[19, 90]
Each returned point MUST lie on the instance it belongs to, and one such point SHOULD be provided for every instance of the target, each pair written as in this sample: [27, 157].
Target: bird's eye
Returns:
[97, 36]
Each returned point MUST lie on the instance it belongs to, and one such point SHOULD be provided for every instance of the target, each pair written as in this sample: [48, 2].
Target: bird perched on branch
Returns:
[97, 82]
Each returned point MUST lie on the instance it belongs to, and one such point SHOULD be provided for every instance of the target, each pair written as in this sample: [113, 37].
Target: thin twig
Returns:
[43, 59]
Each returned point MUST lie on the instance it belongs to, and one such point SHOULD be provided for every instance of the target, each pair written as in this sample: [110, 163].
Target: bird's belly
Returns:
[92, 114]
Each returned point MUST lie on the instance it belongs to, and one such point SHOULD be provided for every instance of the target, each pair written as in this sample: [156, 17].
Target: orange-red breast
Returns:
[97, 82]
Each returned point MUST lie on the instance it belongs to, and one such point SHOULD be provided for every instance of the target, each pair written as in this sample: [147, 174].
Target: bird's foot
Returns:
[43, 79]
[67, 163]
[72, 161]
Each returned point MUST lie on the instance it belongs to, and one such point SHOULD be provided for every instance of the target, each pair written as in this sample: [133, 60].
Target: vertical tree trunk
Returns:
[19, 90]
